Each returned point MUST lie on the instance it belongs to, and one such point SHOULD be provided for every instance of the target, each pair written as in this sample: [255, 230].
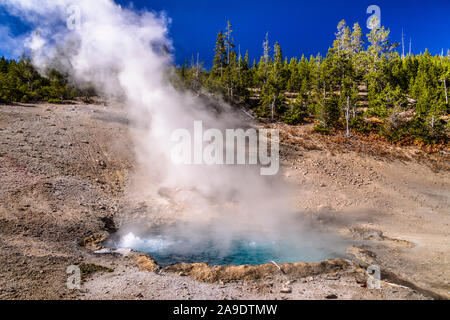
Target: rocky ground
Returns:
[64, 172]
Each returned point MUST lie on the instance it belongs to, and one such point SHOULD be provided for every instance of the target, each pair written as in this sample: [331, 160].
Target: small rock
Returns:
[102, 164]
[331, 297]
[286, 290]
[182, 274]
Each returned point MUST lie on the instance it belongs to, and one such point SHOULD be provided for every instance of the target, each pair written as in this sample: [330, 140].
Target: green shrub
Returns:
[358, 124]
[319, 128]
[54, 101]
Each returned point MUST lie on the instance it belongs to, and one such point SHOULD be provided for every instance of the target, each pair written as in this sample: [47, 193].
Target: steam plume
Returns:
[119, 50]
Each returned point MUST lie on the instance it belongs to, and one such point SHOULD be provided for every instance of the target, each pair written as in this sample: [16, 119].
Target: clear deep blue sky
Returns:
[299, 26]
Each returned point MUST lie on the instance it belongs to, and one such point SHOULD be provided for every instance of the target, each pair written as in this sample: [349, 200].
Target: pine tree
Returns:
[231, 61]
[245, 78]
[380, 47]
[343, 42]
[273, 98]
[294, 82]
[219, 62]
[326, 87]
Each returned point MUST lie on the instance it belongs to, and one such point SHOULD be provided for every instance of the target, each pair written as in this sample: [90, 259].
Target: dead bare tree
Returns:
[410, 46]
[347, 117]
[197, 75]
[444, 78]
[266, 49]
[403, 44]
[445, 88]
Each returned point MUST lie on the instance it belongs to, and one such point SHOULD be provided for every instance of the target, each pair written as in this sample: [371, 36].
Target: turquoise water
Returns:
[241, 252]
[168, 249]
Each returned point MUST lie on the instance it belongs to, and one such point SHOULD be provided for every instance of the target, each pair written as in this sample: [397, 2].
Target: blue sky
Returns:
[299, 26]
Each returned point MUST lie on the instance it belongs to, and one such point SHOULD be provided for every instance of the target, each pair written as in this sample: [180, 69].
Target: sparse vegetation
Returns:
[89, 268]
[21, 82]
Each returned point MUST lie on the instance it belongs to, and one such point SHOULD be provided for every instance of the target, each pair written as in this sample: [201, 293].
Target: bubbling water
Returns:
[169, 246]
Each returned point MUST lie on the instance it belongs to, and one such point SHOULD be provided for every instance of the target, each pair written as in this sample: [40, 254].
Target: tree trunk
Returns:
[272, 109]
[445, 86]
[347, 116]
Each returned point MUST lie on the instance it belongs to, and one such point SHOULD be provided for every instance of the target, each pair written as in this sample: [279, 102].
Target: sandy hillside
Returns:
[65, 171]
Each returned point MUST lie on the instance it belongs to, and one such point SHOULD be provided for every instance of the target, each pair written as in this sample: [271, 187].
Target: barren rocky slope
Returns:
[64, 172]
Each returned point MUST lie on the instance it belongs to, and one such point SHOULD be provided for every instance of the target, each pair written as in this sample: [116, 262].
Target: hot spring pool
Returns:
[169, 249]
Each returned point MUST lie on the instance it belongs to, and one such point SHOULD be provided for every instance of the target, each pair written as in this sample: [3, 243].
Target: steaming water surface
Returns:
[168, 249]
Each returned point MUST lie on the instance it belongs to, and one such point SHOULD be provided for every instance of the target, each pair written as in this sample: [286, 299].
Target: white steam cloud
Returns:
[119, 50]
